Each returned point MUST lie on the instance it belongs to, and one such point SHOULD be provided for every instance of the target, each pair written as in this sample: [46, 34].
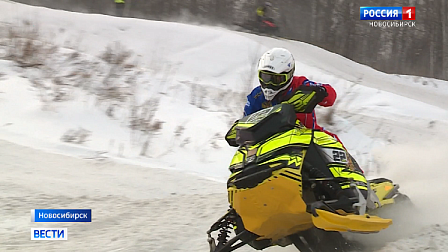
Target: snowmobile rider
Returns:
[262, 11]
[278, 83]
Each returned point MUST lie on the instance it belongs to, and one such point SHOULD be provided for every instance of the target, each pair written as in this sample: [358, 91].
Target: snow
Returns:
[194, 79]
[134, 208]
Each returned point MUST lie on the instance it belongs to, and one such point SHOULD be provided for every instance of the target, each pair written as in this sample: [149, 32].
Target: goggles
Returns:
[272, 80]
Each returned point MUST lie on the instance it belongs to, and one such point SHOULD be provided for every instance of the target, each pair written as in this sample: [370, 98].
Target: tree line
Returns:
[333, 25]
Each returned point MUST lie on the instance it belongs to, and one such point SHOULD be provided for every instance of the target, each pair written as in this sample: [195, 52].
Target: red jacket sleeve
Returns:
[331, 98]
[302, 80]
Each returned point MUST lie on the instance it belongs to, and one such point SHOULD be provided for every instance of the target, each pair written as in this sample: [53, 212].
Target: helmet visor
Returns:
[272, 80]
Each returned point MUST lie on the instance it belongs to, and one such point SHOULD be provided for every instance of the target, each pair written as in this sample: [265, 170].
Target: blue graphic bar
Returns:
[61, 215]
[380, 13]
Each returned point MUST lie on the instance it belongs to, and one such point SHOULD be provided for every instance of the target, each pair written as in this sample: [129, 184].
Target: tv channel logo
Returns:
[61, 215]
[49, 234]
[387, 13]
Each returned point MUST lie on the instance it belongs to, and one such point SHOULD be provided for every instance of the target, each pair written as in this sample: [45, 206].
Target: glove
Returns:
[314, 86]
[306, 98]
[320, 89]
[299, 100]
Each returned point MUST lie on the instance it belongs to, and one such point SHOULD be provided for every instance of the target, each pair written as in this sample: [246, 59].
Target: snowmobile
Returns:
[266, 26]
[291, 185]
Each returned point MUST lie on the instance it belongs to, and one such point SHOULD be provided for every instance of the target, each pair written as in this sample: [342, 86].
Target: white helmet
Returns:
[275, 71]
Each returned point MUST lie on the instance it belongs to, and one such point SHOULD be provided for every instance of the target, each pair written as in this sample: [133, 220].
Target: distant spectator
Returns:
[119, 8]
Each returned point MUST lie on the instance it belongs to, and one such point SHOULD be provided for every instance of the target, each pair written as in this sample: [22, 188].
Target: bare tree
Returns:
[332, 25]
[443, 14]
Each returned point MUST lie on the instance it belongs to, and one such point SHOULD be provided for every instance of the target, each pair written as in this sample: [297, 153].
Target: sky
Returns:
[191, 81]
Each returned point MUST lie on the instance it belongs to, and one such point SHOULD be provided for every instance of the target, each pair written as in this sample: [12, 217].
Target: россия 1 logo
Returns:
[388, 16]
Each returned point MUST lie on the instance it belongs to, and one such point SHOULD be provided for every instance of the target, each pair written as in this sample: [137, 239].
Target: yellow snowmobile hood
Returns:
[279, 212]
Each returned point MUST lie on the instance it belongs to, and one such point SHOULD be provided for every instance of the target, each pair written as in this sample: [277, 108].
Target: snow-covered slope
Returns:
[188, 84]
